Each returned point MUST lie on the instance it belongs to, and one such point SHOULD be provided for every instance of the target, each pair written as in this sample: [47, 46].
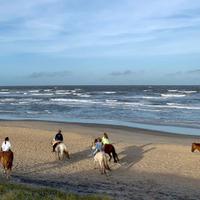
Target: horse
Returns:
[195, 146]
[101, 159]
[6, 159]
[110, 150]
[61, 150]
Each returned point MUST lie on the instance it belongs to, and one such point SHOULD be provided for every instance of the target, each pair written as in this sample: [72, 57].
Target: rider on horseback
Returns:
[58, 139]
[6, 146]
[98, 146]
[105, 139]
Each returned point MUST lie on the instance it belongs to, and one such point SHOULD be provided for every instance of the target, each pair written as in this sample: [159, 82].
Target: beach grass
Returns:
[20, 192]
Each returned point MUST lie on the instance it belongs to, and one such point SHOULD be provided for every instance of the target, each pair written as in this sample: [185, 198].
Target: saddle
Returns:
[56, 142]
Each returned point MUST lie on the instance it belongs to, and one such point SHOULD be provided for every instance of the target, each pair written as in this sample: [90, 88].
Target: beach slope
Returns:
[153, 165]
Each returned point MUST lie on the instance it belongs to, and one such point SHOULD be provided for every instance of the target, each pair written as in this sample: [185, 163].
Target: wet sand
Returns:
[153, 165]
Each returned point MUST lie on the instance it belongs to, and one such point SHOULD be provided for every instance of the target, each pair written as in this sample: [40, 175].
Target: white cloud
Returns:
[98, 27]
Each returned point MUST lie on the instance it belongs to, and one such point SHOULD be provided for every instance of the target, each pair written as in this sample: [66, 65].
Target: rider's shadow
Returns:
[45, 166]
[133, 154]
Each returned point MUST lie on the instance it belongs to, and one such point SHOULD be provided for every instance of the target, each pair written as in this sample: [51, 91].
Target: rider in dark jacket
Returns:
[58, 138]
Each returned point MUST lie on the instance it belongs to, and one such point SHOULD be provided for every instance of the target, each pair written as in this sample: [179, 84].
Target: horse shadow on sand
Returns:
[133, 154]
[56, 163]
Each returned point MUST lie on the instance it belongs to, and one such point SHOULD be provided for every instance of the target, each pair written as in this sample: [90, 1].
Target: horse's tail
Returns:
[105, 163]
[115, 156]
[66, 153]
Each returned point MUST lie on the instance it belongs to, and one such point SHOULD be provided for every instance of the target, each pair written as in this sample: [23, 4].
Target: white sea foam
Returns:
[172, 90]
[172, 95]
[48, 90]
[85, 95]
[21, 103]
[33, 112]
[42, 94]
[47, 111]
[7, 100]
[111, 100]
[146, 90]
[149, 110]
[7, 111]
[188, 91]
[4, 92]
[122, 104]
[72, 100]
[33, 91]
[181, 106]
[174, 105]
[109, 92]
[63, 93]
[183, 91]
[82, 95]
[151, 97]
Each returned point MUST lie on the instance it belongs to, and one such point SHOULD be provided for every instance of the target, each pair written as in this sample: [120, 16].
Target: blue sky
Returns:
[99, 42]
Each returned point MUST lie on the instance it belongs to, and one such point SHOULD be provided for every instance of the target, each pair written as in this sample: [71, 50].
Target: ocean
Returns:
[173, 109]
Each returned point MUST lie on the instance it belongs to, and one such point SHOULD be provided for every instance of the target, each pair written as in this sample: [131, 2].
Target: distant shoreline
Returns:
[110, 126]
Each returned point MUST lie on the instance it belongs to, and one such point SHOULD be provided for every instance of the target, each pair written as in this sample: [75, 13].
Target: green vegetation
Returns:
[20, 192]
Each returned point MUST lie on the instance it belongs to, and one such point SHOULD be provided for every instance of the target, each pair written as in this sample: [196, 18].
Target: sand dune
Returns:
[152, 165]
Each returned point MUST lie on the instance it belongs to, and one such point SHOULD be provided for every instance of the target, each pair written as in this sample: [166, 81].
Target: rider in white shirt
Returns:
[6, 146]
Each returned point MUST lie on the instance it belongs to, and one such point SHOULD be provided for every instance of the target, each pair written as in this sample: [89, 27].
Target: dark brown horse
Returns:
[6, 159]
[195, 146]
[110, 150]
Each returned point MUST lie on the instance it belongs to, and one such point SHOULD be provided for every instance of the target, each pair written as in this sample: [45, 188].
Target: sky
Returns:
[99, 42]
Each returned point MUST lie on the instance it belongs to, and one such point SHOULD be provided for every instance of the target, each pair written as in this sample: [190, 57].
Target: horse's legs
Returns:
[59, 156]
[101, 167]
[66, 153]
[110, 156]
[8, 172]
[115, 156]
[62, 156]
[95, 163]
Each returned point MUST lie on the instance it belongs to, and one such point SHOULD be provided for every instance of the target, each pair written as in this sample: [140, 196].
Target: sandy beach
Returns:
[153, 165]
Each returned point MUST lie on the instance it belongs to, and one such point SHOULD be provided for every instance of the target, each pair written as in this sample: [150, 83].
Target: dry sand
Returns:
[153, 165]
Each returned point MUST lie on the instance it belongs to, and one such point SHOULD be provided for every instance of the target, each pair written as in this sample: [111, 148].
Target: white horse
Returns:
[61, 150]
[101, 159]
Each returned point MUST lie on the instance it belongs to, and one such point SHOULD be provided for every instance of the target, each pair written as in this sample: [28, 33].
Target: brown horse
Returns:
[110, 150]
[195, 146]
[6, 159]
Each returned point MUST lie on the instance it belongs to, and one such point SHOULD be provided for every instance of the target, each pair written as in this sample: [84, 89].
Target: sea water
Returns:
[167, 108]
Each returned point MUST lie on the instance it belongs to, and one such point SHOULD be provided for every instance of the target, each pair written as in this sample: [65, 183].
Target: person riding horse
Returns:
[57, 140]
[105, 139]
[98, 146]
[107, 147]
[6, 146]
[6, 157]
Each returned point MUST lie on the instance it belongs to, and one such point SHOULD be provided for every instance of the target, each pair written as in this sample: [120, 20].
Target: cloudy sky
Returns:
[99, 42]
